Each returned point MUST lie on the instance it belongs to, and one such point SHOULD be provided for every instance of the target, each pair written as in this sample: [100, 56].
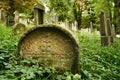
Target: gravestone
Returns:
[39, 14]
[113, 31]
[16, 18]
[19, 28]
[52, 46]
[104, 31]
[109, 31]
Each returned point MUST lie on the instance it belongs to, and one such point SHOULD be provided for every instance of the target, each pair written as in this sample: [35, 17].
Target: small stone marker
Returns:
[19, 28]
[39, 14]
[52, 46]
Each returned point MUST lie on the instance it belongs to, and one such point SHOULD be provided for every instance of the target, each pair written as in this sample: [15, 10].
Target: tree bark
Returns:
[79, 19]
[116, 18]
[78, 13]
[10, 14]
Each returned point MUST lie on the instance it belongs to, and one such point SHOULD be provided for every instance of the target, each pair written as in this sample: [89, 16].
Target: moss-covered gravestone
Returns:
[52, 46]
[19, 28]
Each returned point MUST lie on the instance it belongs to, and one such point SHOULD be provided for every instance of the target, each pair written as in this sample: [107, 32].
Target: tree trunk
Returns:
[116, 18]
[10, 14]
[79, 19]
[79, 24]
[77, 13]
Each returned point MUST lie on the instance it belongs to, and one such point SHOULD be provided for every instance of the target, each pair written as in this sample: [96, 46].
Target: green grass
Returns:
[8, 42]
[96, 62]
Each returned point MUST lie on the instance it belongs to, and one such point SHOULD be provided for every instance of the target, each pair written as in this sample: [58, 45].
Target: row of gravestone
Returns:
[20, 28]
[107, 30]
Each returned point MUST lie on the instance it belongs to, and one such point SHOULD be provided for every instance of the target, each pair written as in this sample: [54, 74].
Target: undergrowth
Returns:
[99, 62]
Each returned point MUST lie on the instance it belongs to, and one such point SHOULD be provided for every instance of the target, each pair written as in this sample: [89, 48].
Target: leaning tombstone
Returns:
[103, 30]
[19, 28]
[52, 46]
[39, 14]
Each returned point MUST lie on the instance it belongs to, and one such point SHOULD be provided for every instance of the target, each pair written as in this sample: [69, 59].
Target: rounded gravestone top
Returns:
[39, 6]
[19, 28]
[51, 45]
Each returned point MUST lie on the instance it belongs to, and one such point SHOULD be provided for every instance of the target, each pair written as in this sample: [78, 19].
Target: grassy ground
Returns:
[96, 62]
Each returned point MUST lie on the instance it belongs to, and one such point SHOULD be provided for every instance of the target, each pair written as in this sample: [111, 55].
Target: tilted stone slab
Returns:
[52, 46]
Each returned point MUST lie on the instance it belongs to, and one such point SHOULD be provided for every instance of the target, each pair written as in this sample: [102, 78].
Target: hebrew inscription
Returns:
[50, 47]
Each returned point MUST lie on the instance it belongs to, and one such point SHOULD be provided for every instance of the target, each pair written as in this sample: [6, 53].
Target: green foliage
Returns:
[99, 62]
[63, 9]
[19, 5]
[106, 6]
[30, 70]
[8, 42]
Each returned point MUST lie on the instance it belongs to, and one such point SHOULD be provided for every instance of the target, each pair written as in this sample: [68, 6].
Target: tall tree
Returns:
[78, 5]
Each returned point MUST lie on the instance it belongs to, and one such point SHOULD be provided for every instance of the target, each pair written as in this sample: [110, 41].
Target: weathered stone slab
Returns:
[51, 45]
[103, 24]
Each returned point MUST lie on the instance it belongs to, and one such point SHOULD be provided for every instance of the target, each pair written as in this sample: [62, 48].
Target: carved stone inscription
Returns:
[50, 47]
